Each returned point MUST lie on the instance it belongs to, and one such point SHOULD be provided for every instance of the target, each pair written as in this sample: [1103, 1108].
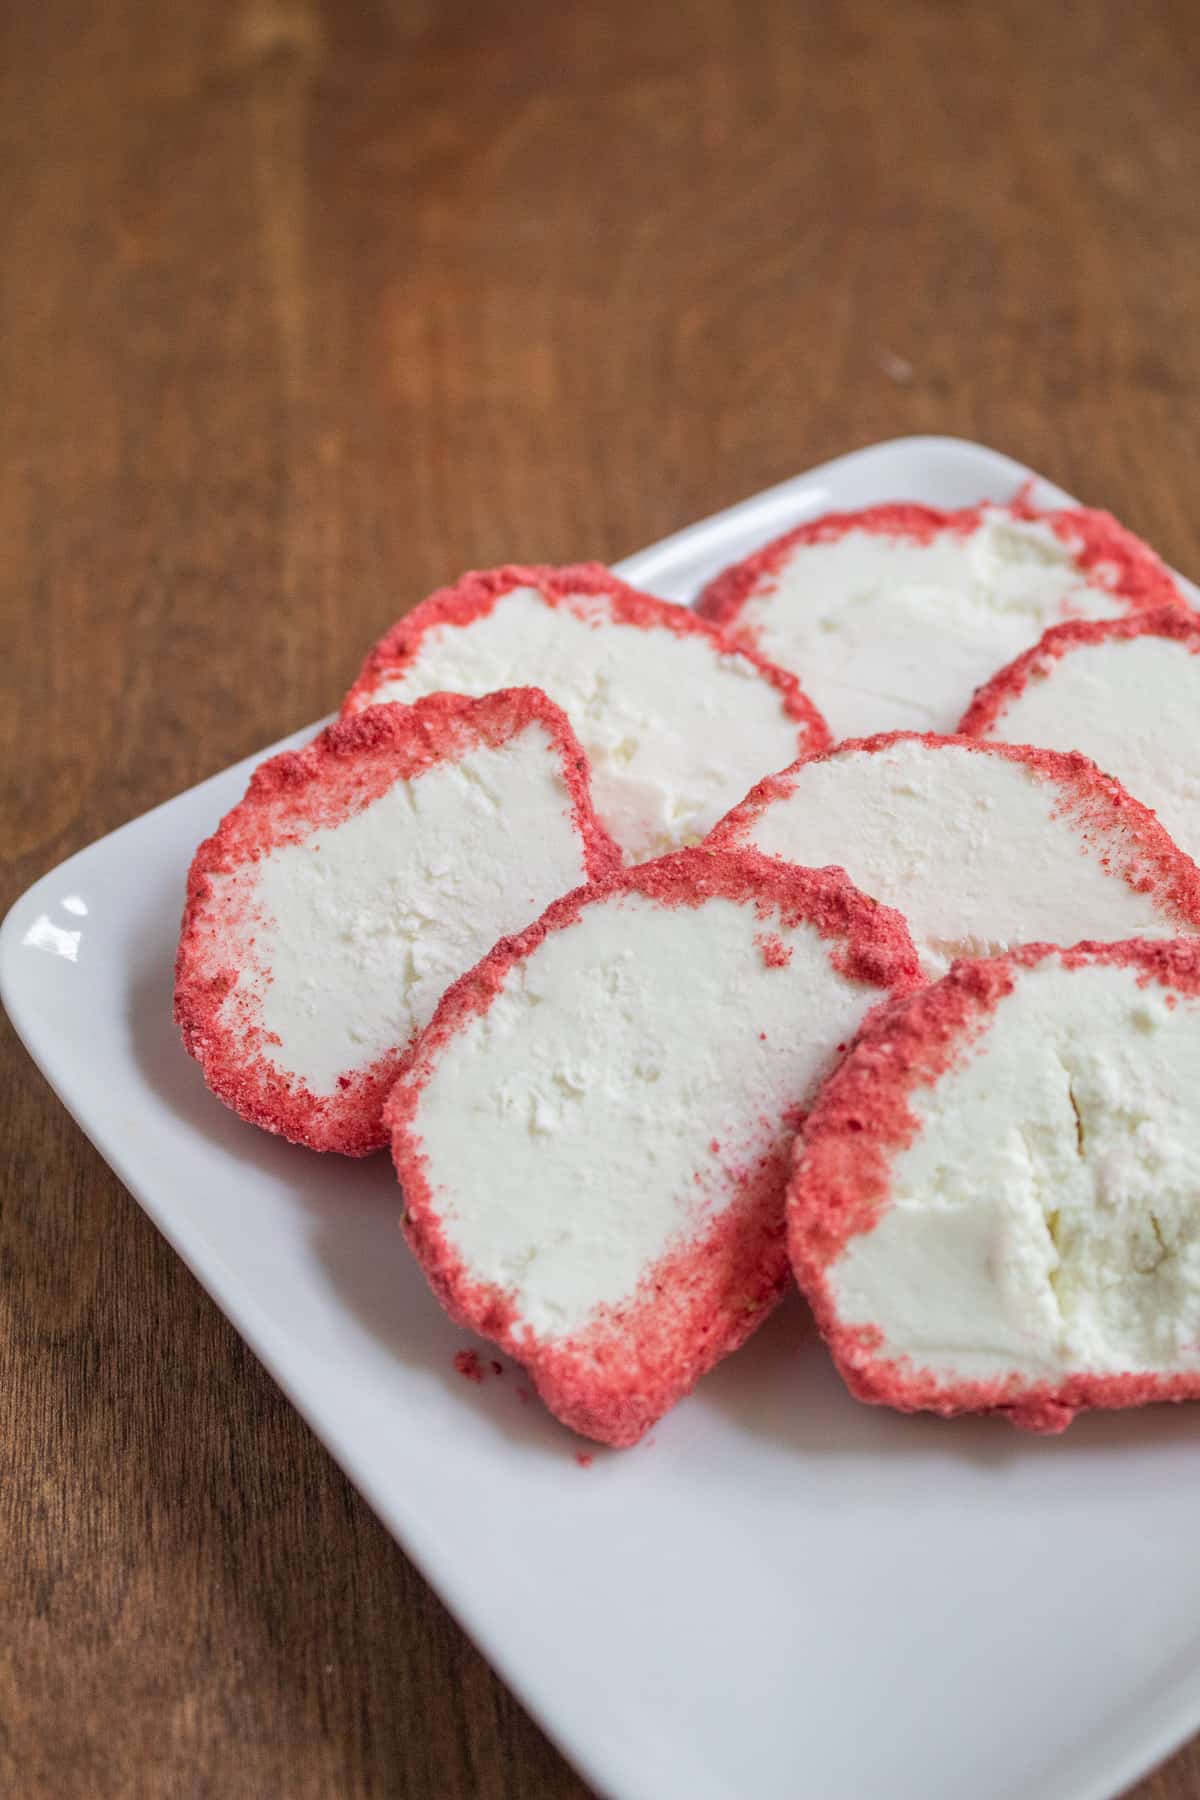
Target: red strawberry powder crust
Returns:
[569, 587]
[349, 765]
[613, 1379]
[994, 698]
[1130, 839]
[841, 1178]
[1103, 549]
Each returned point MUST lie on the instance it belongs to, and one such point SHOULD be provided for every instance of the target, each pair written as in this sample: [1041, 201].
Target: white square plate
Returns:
[783, 1593]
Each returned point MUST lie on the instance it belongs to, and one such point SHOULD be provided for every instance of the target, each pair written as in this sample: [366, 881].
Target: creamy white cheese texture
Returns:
[674, 730]
[569, 1131]
[358, 931]
[888, 634]
[1046, 1216]
[1133, 706]
[972, 849]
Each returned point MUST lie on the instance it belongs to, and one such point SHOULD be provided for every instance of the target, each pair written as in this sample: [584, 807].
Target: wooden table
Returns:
[303, 309]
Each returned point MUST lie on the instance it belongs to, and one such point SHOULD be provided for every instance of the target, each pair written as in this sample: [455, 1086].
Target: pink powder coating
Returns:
[841, 1178]
[1103, 549]
[291, 796]
[992, 701]
[606, 601]
[1127, 835]
[631, 1363]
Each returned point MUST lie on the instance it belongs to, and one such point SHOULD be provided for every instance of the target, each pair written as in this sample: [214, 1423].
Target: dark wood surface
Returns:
[304, 308]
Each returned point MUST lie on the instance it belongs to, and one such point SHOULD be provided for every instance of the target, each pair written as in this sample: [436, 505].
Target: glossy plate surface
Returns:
[783, 1593]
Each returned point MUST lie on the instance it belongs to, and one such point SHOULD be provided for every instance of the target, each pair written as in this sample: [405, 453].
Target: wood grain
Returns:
[303, 308]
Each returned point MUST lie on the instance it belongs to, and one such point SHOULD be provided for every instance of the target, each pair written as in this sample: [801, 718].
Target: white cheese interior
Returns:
[889, 635]
[967, 847]
[1046, 1218]
[1133, 706]
[568, 1131]
[675, 734]
[363, 925]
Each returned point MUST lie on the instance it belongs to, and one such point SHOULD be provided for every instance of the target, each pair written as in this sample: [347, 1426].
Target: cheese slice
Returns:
[893, 616]
[592, 1135]
[996, 1205]
[980, 846]
[676, 722]
[1125, 694]
[359, 878]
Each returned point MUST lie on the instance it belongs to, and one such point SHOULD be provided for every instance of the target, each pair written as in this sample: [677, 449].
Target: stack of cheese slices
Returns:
[841, 929]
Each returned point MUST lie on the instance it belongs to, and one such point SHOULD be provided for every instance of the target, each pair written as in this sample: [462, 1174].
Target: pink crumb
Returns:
[468, 1365]
[584, 1460]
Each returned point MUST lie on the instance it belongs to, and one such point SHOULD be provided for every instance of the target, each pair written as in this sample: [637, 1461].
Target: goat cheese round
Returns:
[893, 616]
[676, 722]
[1126, 693]
[995, 1204]
[981, 846]
[357, 879]
[592, 1134]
